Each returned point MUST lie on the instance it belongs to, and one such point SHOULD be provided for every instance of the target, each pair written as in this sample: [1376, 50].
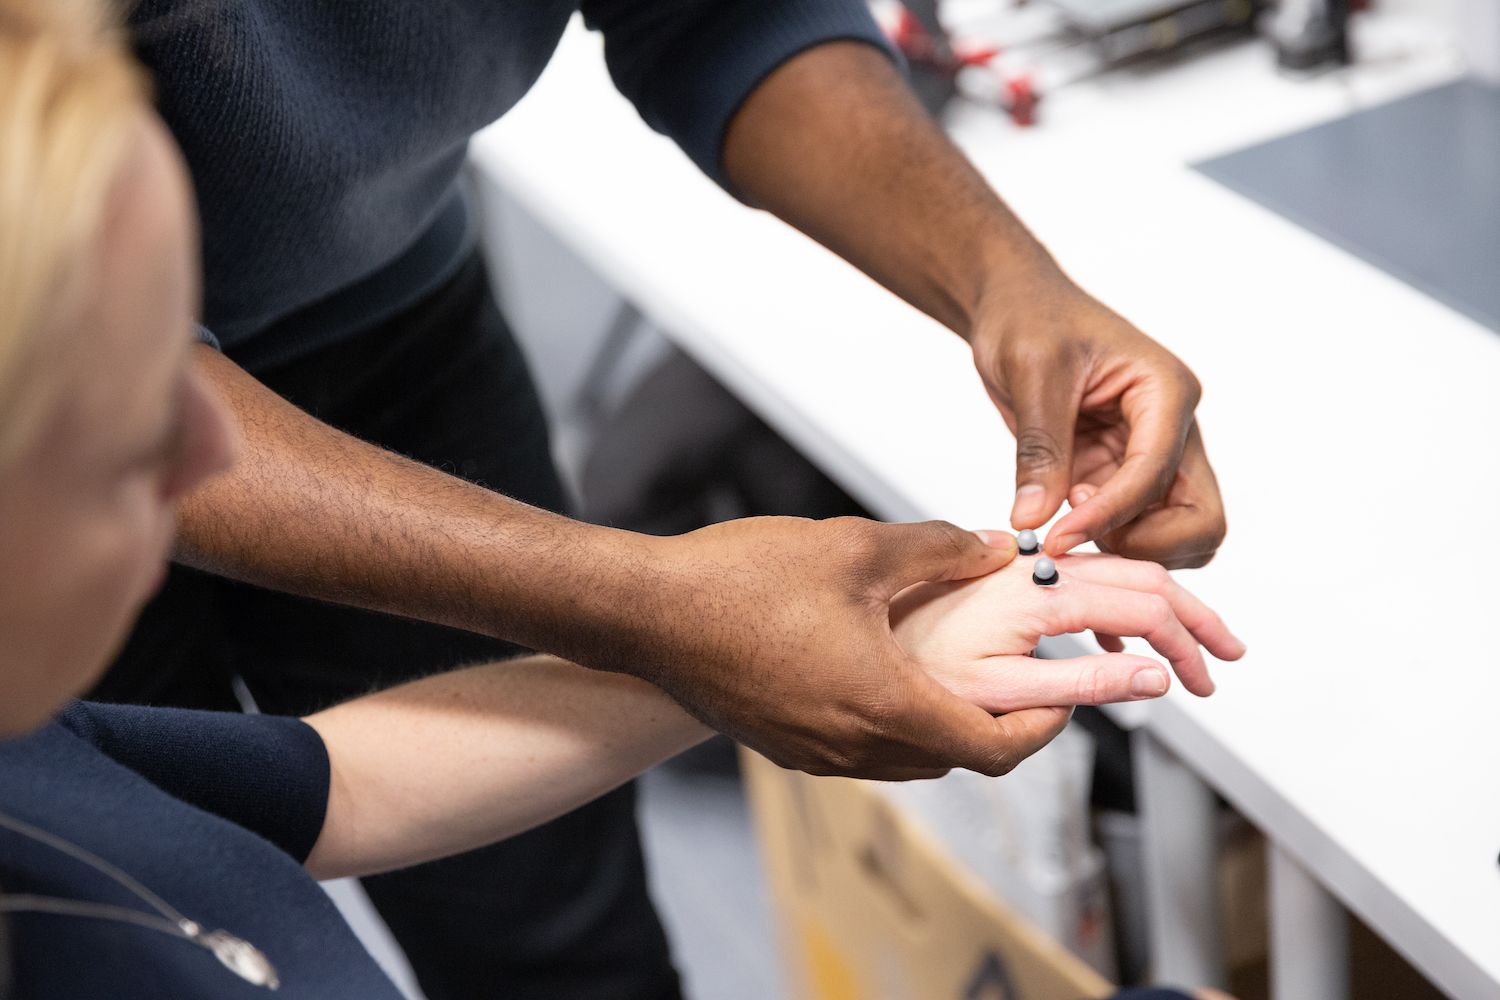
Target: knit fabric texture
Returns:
[325, 140]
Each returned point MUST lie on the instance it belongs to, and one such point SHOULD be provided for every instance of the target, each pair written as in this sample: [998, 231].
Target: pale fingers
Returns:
[1081, 605]
[1199, 619]
[964, 735]
[1012, 683]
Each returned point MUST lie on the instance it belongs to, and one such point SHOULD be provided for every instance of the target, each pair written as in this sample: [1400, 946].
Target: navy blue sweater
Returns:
[326, 138]
[212, 812]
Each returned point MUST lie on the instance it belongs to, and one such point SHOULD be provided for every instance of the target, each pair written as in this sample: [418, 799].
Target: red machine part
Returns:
[1018, 96]
[916, 44]
[1020, 99]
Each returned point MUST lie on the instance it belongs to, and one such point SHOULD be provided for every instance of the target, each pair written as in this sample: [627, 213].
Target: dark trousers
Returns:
[559, 912]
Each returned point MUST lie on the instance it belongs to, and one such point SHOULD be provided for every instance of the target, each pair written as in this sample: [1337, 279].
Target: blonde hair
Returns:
[68, 90]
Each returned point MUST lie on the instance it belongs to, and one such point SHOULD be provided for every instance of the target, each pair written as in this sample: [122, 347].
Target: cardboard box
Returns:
[1025, 838]
[870, 908]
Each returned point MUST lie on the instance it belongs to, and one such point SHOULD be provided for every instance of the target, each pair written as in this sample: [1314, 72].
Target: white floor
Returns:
[706, 875]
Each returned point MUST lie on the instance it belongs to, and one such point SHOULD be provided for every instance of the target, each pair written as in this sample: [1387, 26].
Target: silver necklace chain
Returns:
[234, 953]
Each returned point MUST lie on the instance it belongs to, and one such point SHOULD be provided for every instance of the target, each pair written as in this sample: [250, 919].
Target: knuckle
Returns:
[1201, 551]
[1218, 532]
[843, 747]
[1157, 578]
[861, 745]
[1001, 762]
[1192, 388]
[882, 716]
[1038, 450]
[997, 755]
[859, 757]
[1180, 378]
[816, 764]
[947, 538]
[847, 530]
[1043, 355]
[809, 760]
[823, 768]
[1163, 478]
[837, 758]
[1092, 687]
[1158, 611]
[856, 539]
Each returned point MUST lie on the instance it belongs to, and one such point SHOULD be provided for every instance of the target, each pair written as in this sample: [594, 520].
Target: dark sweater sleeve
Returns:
[266, 773]
[688, 65]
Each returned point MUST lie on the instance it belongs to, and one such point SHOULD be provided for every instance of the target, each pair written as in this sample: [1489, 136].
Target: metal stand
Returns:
[1309, 935]
[1179, 849]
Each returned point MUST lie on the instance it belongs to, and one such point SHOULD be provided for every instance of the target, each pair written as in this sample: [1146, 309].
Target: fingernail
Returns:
[997, 540]
[1066, 543]
[1029, 501]
[1148, 683]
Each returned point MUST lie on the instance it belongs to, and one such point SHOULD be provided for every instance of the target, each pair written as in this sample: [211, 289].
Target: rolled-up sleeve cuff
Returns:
[702, 82]
[206, 336]
[265, 773]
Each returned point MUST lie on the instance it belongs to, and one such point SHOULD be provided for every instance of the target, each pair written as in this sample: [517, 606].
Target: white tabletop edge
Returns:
[1467, 973]
[1357, 888]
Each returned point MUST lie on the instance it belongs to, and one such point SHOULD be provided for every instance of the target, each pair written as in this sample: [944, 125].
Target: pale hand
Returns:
[974, 636]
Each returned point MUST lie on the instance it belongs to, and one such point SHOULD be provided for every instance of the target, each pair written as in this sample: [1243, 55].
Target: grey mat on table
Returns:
[1412, 186]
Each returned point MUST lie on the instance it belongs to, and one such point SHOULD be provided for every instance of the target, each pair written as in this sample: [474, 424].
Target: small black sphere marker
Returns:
[1026, 542]
[1044, 572]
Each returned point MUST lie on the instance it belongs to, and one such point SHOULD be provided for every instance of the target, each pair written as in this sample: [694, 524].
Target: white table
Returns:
[1347, 414]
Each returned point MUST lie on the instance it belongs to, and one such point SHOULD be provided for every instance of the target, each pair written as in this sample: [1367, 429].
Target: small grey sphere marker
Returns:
[1044, 572]
[1027, 543]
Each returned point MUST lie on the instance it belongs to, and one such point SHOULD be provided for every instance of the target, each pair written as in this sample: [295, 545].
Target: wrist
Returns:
[1016, 285]
[604, 597]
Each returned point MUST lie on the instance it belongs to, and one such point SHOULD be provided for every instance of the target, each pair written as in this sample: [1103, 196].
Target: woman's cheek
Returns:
[134, 543]
[159, 518]
[104, 577]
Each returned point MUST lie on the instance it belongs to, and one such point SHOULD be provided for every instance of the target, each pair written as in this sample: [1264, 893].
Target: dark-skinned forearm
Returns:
[835, 144]
[773, 630]
[310, 510]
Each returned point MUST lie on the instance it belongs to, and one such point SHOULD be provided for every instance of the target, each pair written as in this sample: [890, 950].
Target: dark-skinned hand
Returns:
[1103, 417]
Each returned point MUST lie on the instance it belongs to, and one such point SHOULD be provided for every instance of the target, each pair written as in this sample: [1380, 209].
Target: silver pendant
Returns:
[242, 958]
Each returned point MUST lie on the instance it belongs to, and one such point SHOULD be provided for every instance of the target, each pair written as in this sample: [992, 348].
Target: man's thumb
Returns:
[937, 550]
